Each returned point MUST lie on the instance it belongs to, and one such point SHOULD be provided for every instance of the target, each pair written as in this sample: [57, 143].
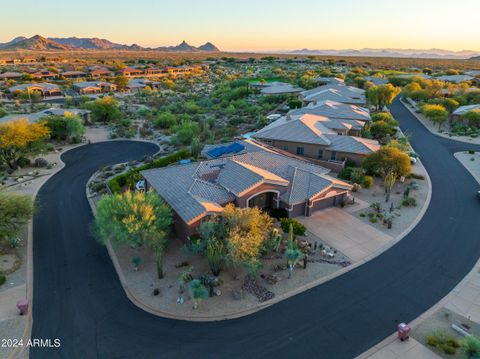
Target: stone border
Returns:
[22, 352]
[406, 104]
[441, 303]
[270, 302]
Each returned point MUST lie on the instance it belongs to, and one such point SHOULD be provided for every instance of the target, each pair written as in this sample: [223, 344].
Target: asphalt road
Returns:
[78, 297]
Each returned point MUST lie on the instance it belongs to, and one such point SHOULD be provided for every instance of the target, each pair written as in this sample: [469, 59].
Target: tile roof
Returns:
[335, 109]
[196, 189]
[338, 93]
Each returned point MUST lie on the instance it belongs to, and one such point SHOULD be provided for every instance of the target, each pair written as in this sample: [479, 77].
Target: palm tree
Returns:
[293, 253]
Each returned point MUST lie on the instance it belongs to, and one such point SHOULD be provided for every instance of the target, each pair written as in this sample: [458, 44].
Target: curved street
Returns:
[79, 299]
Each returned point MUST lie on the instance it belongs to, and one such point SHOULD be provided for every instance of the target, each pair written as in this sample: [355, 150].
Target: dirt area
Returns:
[402, 216]
[177, 259]
[441, 322]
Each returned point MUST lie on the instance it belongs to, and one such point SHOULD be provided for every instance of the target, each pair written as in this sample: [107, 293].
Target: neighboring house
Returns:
[377, 81]
[461, 111]
[141, 84]
[97, 71]
[130, 71]
[34, 117]
[258, 178]
[93, 87]
[10, 75]
[322, 81]
[44, 75]
[277, 88]
[73, 74]
[44, 88]
[456, 78]
[338, 93]
[318, 138]
[335, 110]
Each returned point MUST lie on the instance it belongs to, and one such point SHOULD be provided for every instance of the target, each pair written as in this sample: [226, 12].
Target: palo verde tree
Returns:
[436, 113]
[136, 219]
[104, 109]
[247, 231]
[21, 139]
[15, 211]
[382, 96]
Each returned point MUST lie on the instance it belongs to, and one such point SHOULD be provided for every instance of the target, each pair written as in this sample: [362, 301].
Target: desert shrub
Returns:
[346, 173]
[3, 279]
[367, 181]
[471, 152]
[373, 220]
[447, 349]
[23, 162]
[298, 228]
[409, 202]
[433, 340]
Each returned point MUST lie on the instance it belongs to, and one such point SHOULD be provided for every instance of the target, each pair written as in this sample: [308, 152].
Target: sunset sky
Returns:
[254, 25]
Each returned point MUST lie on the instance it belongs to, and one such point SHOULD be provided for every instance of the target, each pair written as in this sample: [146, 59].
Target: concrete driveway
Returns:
[354, 238]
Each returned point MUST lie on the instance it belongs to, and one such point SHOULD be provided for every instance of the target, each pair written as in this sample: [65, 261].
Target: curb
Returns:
[453, 138]
[22, 352]
[276, 299]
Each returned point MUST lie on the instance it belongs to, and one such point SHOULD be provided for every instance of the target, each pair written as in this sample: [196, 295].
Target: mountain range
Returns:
[40, 43]
[391, 52]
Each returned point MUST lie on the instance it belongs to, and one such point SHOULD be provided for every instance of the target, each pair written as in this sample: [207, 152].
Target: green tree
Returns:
[471, 347]
[104, 109]
[436, 113]
[212, 243]
[15, 211]
[382, 95]
[135, 219]
[69, 127]
[121, 82]
[389, 163]
[186, 132]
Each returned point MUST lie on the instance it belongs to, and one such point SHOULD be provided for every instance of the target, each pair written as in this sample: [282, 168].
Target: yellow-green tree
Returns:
[21, 139]
[15, 211]
[248, 229]
[136, 219]
[436, 113]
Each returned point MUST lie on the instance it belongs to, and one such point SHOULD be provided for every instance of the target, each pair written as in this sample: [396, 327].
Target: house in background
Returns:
[141, 84]
[258, 177]
[321, 139]
[98, 71]
[93, 87]
[44, 88]
[457, 115]
[276, 88]
[11, 75]
[73, 74]
[34, 117]
[322, 81]
[338, 93]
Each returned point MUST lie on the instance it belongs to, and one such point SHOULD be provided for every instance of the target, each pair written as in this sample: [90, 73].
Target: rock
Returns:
[271, 278]
[217, 292]
[156, 292]
[236, 294]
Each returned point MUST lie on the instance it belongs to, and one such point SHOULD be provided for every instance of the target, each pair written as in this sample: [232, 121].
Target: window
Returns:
[300, 151]
[320, 154]
[285, 147]
[333, 156]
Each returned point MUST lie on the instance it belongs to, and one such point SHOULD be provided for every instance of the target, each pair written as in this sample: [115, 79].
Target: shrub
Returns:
[433, 340]
[298, 228]
[367, 181]
[362, 214]
[3, 279]
[346, 173]
[23, 162]
[447, 349]
[373, 220]
[471, 152]
[409, 202]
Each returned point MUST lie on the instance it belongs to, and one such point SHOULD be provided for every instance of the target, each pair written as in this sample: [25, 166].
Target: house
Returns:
[458, 114]
[279, 88]
[321, 81]
[338, 93]
[456, 78]
[10, 75]
[130, 71]
[34, 117]
[141, 84]
[93, 87]
[44, 88]
[98, 71]
[377, 81]
[44, 74]
[73, 74]
[335, 110]
[319, 138]
[259, 177]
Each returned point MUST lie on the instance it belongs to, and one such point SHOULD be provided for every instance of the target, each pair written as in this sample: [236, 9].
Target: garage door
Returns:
[325, 203]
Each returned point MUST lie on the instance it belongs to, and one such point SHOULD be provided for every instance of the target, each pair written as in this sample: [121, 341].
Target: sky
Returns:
[253, 25]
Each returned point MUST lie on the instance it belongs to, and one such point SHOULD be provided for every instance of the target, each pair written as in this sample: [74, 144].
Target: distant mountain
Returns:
[209, 47]
[474, 58]
[367, 52]
[38, 42]
[86, 43]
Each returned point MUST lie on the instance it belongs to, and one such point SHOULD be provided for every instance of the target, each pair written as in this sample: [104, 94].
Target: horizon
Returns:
[267, 27]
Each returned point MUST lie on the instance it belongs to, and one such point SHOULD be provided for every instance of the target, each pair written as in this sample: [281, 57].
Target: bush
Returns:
[3, 279]
[373, 220]
[298, 228]
[129, 178]
[471, 152]
[447, 349]
[23, 162]
[409, 202]
[433, 340]
[346, 173]
[367, 181]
